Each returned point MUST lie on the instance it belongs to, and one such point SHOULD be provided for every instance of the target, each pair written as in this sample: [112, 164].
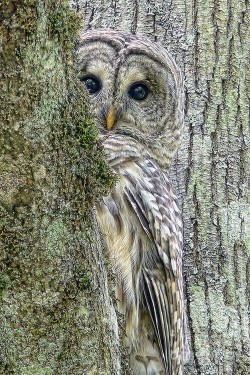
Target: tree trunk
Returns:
[56, 315]
[210, 40]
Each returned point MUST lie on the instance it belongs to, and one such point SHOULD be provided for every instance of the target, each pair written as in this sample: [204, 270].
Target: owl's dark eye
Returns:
[92, 84]
[138, 91]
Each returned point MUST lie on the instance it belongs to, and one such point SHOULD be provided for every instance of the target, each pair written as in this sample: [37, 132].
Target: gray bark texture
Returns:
[210, 41]
[56, 287]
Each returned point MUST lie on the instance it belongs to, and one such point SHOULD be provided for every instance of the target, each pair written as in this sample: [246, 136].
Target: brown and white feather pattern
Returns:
[140, 217]
[143, 227]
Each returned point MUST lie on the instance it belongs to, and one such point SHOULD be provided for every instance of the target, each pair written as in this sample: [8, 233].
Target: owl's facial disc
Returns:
[130, 92]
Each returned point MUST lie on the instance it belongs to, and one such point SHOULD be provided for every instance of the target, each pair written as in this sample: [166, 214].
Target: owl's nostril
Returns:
[110, 118]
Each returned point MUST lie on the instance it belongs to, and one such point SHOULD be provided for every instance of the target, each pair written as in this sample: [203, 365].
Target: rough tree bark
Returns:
[210, 40]
[56, 316]
[55, 311]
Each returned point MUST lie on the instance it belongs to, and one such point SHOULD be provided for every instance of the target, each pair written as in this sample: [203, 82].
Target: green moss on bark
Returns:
[63, 24]
[52, 172]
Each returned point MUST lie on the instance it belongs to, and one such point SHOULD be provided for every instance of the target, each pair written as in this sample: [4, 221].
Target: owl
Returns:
[136, 93]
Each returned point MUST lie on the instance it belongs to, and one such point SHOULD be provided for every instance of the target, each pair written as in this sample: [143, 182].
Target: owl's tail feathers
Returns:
[145, 356]
[147, 362]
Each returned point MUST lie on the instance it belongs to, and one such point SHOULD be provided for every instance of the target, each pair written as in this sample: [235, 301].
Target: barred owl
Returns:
[136, 94]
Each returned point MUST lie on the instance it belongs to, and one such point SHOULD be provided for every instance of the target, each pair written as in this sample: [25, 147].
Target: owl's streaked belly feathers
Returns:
[124, 236]
[143, 229]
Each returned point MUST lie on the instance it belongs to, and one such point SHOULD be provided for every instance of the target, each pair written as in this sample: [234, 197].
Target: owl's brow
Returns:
[122, 47]
[129, 51]
[110, 42]
[145, 55]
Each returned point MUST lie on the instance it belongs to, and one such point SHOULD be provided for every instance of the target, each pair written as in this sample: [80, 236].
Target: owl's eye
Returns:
[138, 91]
[92, 84]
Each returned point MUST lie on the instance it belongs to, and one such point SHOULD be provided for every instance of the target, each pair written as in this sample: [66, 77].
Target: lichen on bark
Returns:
[52, 170]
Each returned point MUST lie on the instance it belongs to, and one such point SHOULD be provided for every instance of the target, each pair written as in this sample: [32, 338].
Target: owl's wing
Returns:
[154, 203]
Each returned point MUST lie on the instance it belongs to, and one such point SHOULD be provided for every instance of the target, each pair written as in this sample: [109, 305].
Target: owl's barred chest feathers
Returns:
[122, 228]
[137, 220]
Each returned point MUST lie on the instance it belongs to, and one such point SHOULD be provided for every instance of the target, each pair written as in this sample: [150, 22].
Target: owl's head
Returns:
[135, 89]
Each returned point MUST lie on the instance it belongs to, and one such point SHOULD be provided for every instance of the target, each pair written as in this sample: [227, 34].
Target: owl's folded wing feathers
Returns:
[154, 203]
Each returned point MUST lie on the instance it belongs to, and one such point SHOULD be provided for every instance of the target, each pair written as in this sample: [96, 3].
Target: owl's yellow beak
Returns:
[110, 119]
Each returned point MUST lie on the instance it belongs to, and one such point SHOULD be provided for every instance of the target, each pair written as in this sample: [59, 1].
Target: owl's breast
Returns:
[122, 152]
[127, 245]
[126, 240]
